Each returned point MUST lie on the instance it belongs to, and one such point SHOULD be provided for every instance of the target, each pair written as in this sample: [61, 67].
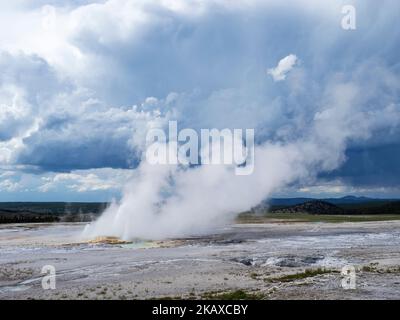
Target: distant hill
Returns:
[350, 199]
[285, 201]
[312, 207]
[337, 201]
[350, 208]
[347, 202]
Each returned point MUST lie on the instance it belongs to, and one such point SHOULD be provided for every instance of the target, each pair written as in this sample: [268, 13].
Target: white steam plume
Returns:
[169, 201]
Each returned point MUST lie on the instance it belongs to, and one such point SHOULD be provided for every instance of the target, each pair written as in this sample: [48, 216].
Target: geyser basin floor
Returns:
[254, 258]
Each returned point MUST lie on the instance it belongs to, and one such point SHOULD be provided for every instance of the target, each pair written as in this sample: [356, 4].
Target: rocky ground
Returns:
[264, 261]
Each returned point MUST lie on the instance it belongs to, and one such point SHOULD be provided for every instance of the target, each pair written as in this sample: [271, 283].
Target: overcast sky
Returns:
[82, 81]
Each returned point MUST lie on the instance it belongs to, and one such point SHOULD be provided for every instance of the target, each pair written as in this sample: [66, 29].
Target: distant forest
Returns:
[31, 212]
[41, 212]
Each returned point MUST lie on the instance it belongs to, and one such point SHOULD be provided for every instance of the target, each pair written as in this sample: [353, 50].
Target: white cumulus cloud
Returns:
[283, 68]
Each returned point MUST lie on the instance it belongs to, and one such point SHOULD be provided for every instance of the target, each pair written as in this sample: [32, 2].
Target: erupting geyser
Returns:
[165, 201]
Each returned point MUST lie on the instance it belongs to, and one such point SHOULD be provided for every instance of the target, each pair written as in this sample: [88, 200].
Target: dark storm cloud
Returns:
[66, 116]
[371, 167]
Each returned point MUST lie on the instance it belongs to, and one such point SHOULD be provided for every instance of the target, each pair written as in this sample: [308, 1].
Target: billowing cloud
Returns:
[89, 180]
